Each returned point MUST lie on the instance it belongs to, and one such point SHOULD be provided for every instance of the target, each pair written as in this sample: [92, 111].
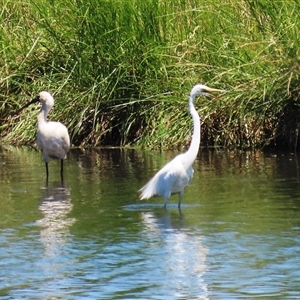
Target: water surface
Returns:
[236, 236]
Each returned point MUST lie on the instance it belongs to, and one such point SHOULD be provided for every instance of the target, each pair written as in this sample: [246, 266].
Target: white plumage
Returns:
[176, 174]
[52, 137]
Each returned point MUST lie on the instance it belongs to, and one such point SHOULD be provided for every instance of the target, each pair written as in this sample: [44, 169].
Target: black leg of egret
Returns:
[47, 172]
[62, 170]
[180, 195]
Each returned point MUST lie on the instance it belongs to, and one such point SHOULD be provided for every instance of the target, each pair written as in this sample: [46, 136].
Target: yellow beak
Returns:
[211, 90]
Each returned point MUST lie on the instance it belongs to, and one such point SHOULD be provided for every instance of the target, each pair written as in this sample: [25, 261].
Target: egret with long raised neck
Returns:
[176, 174]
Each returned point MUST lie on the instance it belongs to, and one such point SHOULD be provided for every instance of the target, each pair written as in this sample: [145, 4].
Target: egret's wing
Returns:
[172, 178]
[53, 139]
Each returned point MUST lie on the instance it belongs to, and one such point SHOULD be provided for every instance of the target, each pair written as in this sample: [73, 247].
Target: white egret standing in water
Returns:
[52, 137]
[176, 175]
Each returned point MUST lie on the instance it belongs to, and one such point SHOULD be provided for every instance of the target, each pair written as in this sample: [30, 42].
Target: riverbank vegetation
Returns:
[121, 70]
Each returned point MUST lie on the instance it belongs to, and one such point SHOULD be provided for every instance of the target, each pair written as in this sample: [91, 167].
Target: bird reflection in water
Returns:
[183, 254]
[55, 206]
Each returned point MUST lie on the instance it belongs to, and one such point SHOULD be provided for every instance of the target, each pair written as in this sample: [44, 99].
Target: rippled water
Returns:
[237, 235]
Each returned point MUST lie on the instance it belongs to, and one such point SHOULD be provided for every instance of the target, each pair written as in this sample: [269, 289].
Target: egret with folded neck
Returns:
[176, 175]
[52, 137]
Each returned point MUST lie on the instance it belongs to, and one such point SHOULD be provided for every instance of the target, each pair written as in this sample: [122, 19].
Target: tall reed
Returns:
[121, 70]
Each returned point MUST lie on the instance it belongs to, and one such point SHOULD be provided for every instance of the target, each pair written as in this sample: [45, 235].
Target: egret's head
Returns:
[45, 98]
[201, 89]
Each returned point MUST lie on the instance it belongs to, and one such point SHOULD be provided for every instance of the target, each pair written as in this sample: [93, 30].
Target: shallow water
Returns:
[236, 236]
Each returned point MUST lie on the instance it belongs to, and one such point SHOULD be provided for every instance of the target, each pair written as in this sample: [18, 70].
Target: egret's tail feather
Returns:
[145, 193]
[149, 190]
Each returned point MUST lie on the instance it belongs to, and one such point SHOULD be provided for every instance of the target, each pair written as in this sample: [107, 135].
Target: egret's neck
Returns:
[192, 152]
[42, 116]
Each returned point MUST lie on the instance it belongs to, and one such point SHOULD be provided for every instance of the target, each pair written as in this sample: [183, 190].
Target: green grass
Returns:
[121, 71]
